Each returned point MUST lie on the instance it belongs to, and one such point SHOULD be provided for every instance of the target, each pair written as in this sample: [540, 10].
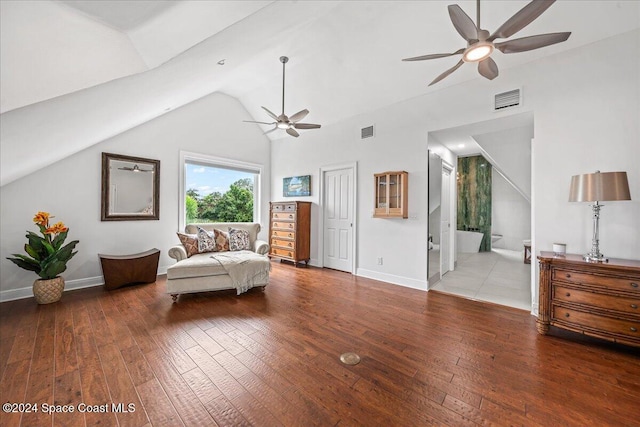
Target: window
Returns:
[214, 189]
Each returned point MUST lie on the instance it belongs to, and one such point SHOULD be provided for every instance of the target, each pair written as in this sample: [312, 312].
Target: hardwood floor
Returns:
[272, 358]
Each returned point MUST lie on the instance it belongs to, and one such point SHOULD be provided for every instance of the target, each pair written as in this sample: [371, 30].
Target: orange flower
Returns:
[56, 228]
[42, 218]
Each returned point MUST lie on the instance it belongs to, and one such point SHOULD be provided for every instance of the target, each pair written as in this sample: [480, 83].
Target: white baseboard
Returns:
[69, 285]
[393, 279]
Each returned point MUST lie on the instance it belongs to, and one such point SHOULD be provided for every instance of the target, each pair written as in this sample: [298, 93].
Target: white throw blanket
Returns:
[246, 268]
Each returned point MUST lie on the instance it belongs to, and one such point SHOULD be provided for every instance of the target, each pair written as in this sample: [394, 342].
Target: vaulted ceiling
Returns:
[76, 72]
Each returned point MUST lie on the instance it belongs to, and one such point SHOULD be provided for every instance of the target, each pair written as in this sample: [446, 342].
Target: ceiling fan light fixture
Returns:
[283, 125]
[478, 52]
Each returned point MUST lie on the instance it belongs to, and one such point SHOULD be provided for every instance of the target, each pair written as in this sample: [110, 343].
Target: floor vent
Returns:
[366, 132]
[507, 100]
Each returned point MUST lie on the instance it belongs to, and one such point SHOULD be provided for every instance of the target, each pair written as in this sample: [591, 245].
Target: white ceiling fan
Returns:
[480, 44]
[290, 124]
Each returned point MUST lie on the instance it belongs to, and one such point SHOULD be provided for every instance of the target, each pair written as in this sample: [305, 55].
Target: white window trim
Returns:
[186, 156]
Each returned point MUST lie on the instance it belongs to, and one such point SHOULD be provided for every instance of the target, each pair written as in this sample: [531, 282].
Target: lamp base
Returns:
[595, 257]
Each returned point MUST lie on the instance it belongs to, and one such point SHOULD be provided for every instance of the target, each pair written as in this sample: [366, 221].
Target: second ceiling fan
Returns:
[480, 44]
[290, 124]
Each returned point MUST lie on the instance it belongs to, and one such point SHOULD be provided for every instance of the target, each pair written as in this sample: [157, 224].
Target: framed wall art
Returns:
[296, 186]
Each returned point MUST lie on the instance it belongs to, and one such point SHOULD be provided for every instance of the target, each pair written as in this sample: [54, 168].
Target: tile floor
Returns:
[499, 276]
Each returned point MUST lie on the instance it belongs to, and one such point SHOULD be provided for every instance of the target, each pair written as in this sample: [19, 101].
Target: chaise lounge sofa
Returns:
[218, 270]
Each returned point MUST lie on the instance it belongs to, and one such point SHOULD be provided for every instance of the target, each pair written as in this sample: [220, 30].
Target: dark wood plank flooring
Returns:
[272, 358]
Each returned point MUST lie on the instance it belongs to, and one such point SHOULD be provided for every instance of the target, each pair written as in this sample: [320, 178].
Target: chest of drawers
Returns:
[290, 231]
[597, 299]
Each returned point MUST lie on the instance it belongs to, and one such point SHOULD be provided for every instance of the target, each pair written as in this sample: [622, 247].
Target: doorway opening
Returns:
[488, 259]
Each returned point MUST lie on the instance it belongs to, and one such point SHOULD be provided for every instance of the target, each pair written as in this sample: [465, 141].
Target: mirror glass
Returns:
[130, 188]
[435, 202]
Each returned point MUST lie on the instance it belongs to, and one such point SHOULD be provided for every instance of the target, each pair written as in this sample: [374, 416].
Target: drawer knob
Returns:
[634, 305]
[567, 275]
[290, 216]
[290, 244]
[634, 285]
[566, 315]
[568, 294]
[290, 254]
[633, 329]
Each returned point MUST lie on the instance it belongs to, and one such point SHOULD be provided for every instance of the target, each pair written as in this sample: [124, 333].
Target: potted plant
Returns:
[47, 257]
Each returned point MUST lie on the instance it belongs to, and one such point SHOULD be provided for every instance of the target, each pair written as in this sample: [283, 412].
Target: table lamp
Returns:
[598, 187]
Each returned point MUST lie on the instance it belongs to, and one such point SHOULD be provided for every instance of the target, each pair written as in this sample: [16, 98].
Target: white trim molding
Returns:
[393, 279]
[69, 285]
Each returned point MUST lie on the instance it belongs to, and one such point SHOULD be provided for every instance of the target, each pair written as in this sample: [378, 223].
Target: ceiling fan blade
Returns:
[273, 116]
[434, 56]
[261, 123]
[464, 25]
[533, 42]
[524, 17]
[446, 73]
[299, 115]
[305, 126]
[488, 68]
[292, 132]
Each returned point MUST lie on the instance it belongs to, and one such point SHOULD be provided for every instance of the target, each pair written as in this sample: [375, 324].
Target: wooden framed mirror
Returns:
[130, 188]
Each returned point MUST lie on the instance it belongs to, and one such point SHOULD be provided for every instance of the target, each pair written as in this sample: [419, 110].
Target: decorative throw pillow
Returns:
[190, 243]
[206, 242]
[239, 239]
[222, 240]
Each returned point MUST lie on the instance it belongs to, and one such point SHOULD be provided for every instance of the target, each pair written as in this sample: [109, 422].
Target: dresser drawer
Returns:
[609, 282]
[287, 244]
[283, 225]
[283, 216]
[283, 234]
[583, 321]
[284, 207]
[609, 302]
[283, 253]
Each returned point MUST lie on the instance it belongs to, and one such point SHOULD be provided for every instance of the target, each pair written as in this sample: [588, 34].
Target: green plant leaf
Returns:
[65, 254]
[48, 247]
[32, 252]
[35, 241]
[53, 269]
[29, 266]
[59, 240]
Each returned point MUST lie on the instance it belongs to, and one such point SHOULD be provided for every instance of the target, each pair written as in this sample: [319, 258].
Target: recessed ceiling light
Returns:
[460, 145]
[221, 62]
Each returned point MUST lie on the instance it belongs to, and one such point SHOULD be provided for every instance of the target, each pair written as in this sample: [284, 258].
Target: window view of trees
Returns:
[234, 205]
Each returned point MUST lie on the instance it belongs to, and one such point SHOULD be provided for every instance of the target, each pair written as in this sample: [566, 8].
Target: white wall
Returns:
[510, 151]
[510, 214]
[50, 50]
[70, 190]
[585, 104]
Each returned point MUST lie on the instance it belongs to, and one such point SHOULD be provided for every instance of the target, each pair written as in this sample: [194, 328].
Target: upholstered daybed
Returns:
[220, 269]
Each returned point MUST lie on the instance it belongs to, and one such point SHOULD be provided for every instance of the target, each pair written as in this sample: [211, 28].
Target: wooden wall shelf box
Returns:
[600, 299]
[290, 231]
[391, 195]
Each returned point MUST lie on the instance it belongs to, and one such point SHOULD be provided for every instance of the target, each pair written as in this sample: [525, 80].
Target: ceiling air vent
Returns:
[507, 100]
[366, 132]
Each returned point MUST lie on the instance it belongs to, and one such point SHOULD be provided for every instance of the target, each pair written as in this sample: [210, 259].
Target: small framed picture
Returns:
[296, 186]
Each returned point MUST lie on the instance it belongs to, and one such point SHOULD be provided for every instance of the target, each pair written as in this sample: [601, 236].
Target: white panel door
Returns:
[445, 225]
[338, 219]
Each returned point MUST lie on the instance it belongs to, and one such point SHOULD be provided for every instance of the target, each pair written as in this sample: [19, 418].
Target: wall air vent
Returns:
[507, 100]
[366, 132]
